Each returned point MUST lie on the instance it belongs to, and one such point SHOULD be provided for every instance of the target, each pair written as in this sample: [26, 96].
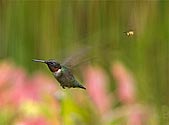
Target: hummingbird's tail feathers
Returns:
[82, 87]
[78, 85]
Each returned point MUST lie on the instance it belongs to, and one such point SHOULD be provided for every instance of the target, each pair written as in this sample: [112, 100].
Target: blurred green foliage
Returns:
[53, 29]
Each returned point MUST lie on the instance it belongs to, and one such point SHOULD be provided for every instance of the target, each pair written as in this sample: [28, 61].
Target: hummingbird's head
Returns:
[52, 64]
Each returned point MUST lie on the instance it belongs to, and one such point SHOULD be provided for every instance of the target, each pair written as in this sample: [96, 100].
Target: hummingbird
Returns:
[62, 73]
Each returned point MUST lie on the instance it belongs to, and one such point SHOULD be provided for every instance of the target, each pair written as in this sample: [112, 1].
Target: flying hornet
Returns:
[129, 33]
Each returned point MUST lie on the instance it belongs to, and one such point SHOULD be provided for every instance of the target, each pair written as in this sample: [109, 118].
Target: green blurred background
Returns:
[53, 29]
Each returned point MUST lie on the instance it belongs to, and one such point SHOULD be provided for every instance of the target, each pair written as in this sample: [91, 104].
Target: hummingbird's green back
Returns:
[66, 79]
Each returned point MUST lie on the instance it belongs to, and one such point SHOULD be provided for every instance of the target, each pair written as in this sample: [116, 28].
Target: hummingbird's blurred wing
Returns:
[77, 58]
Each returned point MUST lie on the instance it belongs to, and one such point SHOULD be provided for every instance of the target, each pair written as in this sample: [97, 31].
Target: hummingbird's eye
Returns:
[53, 63]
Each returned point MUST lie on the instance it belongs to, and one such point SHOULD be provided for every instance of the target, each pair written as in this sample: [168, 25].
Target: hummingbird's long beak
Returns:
[38, 60]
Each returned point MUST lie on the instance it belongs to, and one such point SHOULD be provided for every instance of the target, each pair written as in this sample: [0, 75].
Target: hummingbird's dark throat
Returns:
[53, 69]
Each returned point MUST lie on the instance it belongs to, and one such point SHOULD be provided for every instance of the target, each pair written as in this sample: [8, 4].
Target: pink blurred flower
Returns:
[7, 70]
[137, 116]
[96, 82]
[21, 88]
[125, 83]
[33, 121]
[16, 86]
[44, 84]
[34, 88]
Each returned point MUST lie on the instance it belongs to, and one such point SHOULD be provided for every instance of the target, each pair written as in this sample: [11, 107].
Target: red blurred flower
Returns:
[96, 82]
